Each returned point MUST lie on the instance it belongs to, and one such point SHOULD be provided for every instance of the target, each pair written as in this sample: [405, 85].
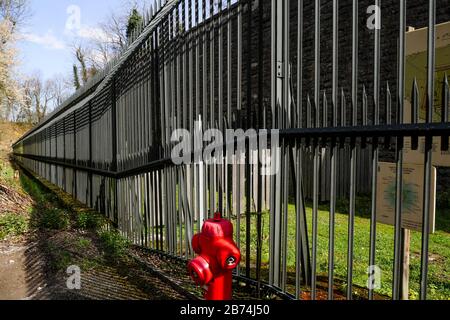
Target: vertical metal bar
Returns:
[197, 195]
[91, 204]
[300, 210]
[388, 104]
[351, 223]
[64, 154]
[259, 155]
[431, 67]
[445, 100]
[248, 155]
[228, 167]
[316, 170]
[220, 67]
[229, 64]
[300, 65]
[220, 117]
[212, 52]
[205, 66]
[286, 116]
[334, 151]
[415, 113]
[191, 68]
[398, 256]
[375, 152]
[212, 66]
[285, 214]
[343, 109]
[114, 145]
[74, 190]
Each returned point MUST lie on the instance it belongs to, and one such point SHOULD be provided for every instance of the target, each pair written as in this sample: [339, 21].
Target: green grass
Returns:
[13, 225]
[86, 220]
[83, 243]
[114, 245]
[7, 174]
[439, 266]
[53, 219]
[61, 259]
[33, 189]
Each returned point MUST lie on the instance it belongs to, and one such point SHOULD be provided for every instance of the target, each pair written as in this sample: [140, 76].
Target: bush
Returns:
[54, 219]
[60, 258]
[88, 221]
[114, 244]
[12, 225]
[84, 243]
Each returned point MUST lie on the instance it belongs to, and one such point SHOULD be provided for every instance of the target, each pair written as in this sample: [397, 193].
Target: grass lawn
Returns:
[439, 266]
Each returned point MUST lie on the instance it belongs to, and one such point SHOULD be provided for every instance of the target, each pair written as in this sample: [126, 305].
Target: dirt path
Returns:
[23, 273]
[13, 273]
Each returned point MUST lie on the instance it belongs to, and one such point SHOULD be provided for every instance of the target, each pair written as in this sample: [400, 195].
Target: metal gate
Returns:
[258, 65]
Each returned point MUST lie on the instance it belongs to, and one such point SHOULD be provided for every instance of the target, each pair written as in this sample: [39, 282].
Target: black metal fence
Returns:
[258, 64]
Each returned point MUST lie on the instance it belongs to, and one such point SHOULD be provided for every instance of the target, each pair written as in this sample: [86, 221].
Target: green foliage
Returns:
[134, 21]
[84, 243]
[88, 221]
[33, 189]
[12, 225]
[54, 219]
[114, 244]
[7, 174]
[61, 259]
[76, 78]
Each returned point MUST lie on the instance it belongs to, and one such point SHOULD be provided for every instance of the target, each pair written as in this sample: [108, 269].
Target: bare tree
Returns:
[15, 11]
[86, 66]
[40, 97]
[115, 27]
[61, 87]
[117, 23]
[93, 55]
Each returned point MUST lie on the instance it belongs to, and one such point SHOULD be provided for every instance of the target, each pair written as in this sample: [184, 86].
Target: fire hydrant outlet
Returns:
[200, 271]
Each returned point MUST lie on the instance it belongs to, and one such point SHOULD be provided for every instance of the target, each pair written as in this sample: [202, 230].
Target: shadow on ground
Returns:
[39, 265]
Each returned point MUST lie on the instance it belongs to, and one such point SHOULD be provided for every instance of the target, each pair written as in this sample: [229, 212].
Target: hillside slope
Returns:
[10, 133]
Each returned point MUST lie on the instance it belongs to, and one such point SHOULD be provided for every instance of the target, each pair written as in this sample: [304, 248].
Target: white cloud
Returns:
[88, 33]
[48, 40]
[92, 33]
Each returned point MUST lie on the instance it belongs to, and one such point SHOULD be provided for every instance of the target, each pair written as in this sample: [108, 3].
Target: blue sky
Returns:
[46, 44]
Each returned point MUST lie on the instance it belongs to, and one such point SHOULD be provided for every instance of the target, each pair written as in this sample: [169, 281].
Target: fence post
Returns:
[64, 155]
[90, 156]
[114, 165]
[74, 180]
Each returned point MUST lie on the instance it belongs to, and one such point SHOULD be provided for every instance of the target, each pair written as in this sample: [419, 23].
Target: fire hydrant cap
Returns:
[217, 228]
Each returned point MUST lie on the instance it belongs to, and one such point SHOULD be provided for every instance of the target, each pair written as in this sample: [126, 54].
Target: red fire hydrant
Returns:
[218, 256]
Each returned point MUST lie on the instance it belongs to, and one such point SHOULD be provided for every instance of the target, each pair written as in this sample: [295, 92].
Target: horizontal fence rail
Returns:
[328, 100]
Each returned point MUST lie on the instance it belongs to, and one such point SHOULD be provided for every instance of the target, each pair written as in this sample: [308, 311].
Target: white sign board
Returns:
[413, 192]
